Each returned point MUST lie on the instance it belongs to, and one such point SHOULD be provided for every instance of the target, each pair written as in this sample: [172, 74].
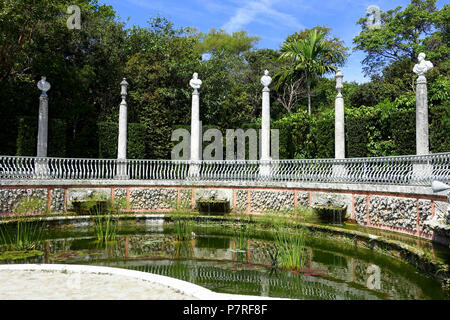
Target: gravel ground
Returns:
[57, 285]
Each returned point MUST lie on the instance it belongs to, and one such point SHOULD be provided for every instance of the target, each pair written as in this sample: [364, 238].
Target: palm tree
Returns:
[312, 56]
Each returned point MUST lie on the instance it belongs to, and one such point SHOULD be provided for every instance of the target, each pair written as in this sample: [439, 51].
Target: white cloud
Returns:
[261, 12]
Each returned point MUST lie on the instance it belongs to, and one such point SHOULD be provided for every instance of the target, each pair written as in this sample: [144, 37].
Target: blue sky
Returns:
[271, 20]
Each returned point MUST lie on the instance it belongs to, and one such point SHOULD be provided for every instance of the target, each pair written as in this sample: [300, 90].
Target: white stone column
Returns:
[339, 119]
[123, 132]
[42, 140]
[422, 171]
[422, 133]
[339, 128]
[264, 168]
[41, 168]
[339, 170]
[194, 168]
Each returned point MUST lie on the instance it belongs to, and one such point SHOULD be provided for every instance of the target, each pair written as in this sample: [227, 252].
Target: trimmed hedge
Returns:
[108, 133]
[387, 129]
[404, 131]
[439, 118]
[27, 137]
[323, 135]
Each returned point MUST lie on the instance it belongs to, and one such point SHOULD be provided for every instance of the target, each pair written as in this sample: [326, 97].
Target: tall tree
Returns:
[403, 34]
[312, 56]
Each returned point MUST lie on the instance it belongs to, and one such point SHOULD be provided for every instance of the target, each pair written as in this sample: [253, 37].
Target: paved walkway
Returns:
[79, 282]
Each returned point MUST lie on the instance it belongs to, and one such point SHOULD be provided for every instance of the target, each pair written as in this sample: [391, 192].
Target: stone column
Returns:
[339, 119]
[422, 133]
[194, 168]
[122, 139]
[41, 168]
[264, 169]
[339, 128]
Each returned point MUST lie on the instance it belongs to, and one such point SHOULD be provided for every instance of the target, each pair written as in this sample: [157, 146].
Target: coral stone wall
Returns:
[406, 213]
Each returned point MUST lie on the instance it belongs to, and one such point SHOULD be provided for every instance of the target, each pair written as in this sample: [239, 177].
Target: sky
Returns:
[270, 20]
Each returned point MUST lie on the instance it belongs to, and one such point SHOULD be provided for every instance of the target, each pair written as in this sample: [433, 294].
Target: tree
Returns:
[403, 34]
[219, 41]
[313, 56]
[84, 67]
[161, 63]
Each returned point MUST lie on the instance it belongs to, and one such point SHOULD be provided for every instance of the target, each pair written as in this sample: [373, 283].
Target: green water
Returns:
[223, 259]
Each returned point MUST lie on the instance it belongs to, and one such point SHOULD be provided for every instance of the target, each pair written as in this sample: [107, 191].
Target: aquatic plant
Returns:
[290, 247]
[184, 229]
[23, 235]
[106, 219]
[243, 237]
[105, 227]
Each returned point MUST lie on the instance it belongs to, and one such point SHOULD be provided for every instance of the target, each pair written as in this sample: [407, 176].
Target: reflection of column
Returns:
[353, 269]
[266, 80]
[47, 251]
[374, 277]
[126, 246]
[194, 168]
[265, 285]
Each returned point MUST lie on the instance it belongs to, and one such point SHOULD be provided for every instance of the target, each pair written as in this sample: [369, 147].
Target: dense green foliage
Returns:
[27, 137]
[107, 136]
[86, 66]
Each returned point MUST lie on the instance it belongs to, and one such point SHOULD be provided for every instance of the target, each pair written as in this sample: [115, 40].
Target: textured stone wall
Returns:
[425, 215]
[272, 201]
[360, 209]
[393, 212]
[57, 200]
[9, 198]
[386, 211]
[120, 193]
[153, 198]
[303, 199]
[241, 200]
[185, 198]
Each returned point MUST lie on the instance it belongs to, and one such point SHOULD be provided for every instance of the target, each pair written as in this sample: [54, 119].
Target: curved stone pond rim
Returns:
[374, 239]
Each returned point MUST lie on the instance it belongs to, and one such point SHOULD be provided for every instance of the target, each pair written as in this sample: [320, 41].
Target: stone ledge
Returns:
[346, 187]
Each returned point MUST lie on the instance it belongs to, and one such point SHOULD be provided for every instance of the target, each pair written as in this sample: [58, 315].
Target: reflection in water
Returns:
[242, 264]
[374, 277]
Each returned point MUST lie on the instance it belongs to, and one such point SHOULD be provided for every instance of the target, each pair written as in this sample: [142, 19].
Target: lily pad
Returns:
[16, 255]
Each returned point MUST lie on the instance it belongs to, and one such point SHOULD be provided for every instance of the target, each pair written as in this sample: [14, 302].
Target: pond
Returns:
[222, 258]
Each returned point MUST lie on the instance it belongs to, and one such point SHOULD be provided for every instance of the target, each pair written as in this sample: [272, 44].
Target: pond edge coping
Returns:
[184, 287]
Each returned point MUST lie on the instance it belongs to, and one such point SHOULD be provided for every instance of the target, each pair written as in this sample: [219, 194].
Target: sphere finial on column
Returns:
[44, 86]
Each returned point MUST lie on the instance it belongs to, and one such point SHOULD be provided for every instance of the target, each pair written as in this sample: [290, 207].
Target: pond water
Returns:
[224, 260]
